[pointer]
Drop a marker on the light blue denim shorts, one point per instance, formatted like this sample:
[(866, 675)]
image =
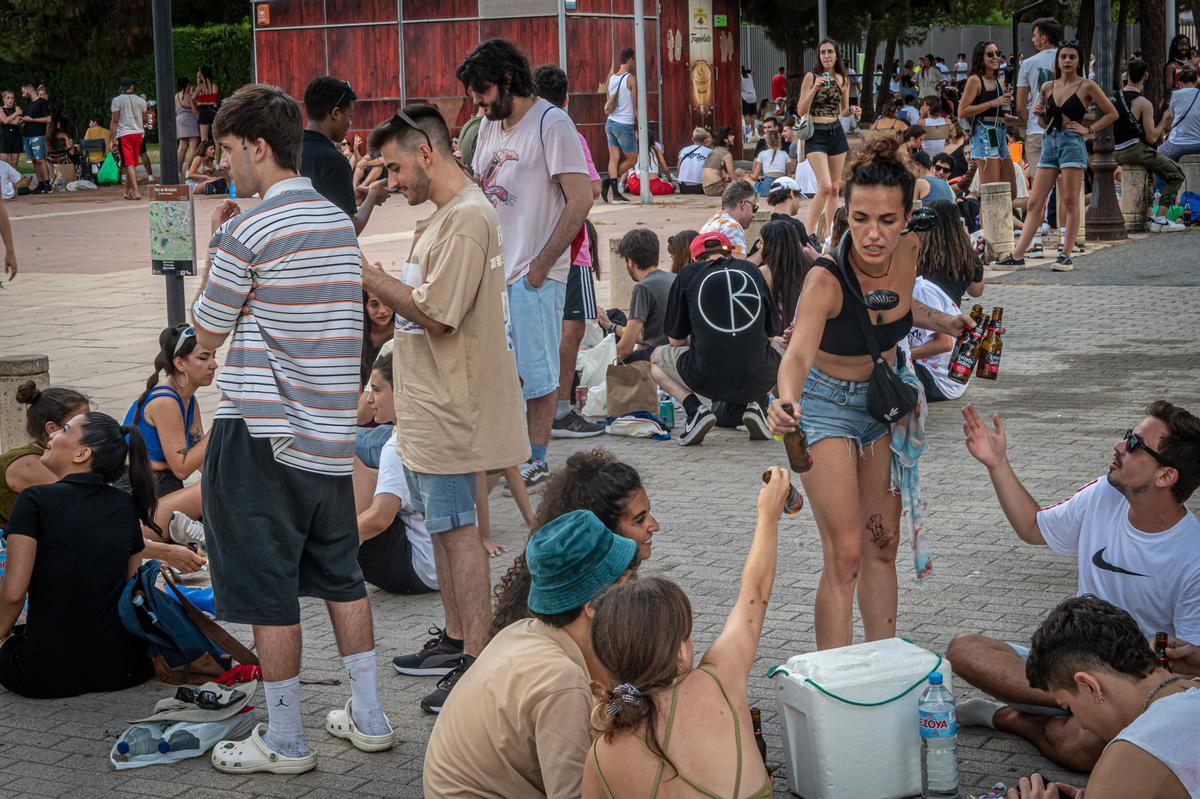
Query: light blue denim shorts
[(536, 319), (621, 135), (446, 500), (1062, 149), (836, 408), (980, 147)]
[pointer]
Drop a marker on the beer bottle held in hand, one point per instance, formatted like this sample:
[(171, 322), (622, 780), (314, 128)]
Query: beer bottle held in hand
[(966, 352), (977, 317), (990, 348), (794, 501), (1160, 650), (796, 445), (759, 741)]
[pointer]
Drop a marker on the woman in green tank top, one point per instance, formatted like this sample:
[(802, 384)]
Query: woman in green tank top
[(22, 467), (667, 728)]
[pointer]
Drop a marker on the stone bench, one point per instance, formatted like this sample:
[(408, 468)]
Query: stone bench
[(1135, 205), (15, 370), (1190, 164)]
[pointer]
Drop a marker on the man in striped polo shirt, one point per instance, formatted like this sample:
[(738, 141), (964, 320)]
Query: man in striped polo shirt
[(286, 280)]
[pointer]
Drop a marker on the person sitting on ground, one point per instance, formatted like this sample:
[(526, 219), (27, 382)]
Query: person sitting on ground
[(691, 162), (1091, 657), (661, 714), (738, 205), (83, 534), (914, 139), (770, 164), (661, 180), (909, 111), (889, 118), (933, 116), (516, 725), (645, 329), (1185, 126), (379, 327), (21, 467), (719, 169), (1130, 523), (679, 247), (204, 170), (1136, 135), (930, 188), (720, 335), (784, 201), (785, 265)]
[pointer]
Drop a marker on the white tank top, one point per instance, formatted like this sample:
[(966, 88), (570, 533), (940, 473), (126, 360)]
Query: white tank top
[(623, 113), (1168, 731)]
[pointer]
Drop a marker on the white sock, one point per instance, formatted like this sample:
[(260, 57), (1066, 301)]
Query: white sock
[(285, 729), (364, 694), (977, 712), (561, 410)]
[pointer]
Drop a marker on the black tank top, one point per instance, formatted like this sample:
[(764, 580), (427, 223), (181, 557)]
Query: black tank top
[(1126, 128), (843, 333), (1072, 110), (992, 116)]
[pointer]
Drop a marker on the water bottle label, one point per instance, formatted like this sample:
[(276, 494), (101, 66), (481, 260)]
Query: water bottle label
[(938, 724)]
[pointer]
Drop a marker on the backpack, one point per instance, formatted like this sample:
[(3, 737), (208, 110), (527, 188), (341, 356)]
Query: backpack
[(186, 646)]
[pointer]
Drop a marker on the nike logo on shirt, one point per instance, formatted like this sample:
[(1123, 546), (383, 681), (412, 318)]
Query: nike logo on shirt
[(1099, 562)]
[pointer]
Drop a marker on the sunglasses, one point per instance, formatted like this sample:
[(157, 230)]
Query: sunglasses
[(184, 335), (941, 168), (753, 206), (1134, 442), (342, 96), (205, 700)]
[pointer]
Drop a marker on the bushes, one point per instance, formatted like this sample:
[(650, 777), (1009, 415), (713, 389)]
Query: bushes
[(77, 91)]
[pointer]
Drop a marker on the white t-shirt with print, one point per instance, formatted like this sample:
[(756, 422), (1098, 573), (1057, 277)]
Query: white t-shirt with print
[(518, 171), (1155, 577), (1035, 70), (939, 365), (691, 162), (391, 481)]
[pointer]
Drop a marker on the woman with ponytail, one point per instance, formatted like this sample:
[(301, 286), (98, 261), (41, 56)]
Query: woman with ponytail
[(822, 386), (72, 546), (663, 719), (21, 467)]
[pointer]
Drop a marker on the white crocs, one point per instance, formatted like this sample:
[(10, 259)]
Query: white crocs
[(253, 755), (340, 724)]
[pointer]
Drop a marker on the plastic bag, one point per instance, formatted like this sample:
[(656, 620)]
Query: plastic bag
[(81, 185), (594, 362), (109, 174), (209, 734)]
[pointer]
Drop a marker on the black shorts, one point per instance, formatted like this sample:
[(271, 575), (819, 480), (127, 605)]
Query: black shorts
[(932, 392), (581, 294), (165, 482), (828, 138), (11, 142), (749, 109), (207, 114), (691, 188), (274, 533), (387, 562)]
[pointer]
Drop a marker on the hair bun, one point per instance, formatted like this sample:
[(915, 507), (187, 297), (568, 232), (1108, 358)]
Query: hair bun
[(28, 393)]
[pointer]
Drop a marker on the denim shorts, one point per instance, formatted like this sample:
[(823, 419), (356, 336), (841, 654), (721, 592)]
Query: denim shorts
[(621, 135), (536, 316), (836, 408), (1062, 149), (446, 500), (980, 148), (35, 147)]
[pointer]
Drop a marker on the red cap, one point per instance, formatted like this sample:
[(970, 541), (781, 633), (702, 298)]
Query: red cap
[(709, 242)]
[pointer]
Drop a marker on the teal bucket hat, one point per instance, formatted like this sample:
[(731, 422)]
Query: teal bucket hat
[(572, 559)]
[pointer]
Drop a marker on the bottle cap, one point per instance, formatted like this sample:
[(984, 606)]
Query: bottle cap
[(935, 678)]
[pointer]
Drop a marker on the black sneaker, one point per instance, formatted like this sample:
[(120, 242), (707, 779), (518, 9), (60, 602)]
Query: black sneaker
[(617, 196), (575, 426), (697, 428), (1062, 263), (437, 658), (756, 423), (1008, 260), (604, 190), (534, 473), (433, 702)]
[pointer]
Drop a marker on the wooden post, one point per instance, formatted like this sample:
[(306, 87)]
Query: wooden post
[(620, 284), (995, 211), (15, 370), (1134, 183)]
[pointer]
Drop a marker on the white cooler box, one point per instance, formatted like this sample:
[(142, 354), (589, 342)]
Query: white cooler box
[(843, 750)]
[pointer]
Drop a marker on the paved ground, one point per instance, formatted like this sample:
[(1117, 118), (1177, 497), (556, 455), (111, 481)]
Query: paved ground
[(1080, 362)]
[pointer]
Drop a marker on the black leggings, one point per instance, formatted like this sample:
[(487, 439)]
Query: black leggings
[(387, 562)]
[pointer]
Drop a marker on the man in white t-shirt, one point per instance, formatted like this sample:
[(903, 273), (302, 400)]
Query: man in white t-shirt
[(960, 71), (1137, 546), (128, 128), (749, 103), (691, 162), (1036, 70)]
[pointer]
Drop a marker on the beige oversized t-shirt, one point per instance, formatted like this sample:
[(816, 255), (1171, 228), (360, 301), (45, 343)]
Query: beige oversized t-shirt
[(458, 399)]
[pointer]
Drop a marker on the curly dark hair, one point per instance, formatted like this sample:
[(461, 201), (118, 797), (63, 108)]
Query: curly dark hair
[(497, 62), (594, 481), (1085, 632)]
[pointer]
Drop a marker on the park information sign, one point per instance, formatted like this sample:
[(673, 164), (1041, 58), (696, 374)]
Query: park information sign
[(172, 230)]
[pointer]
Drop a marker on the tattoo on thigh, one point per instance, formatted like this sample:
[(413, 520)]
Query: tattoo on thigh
[(880, 535)]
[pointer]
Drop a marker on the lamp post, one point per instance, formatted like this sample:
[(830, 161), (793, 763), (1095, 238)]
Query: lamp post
[(168, 164), (1104, 219), (639, 45)]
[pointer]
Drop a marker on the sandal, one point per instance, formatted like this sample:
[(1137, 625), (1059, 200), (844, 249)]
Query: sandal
[(253, 755), (340, 724)]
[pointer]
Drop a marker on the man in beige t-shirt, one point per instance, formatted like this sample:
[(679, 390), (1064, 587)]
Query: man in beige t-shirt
[(458, 399)]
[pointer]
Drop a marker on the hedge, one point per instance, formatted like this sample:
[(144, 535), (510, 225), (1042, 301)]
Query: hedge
[(77, 91)]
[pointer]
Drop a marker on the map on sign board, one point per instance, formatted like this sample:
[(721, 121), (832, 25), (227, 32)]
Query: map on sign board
[(172, 230)]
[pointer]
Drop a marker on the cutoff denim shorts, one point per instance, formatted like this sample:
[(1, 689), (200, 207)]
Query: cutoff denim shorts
[(1062, 149), (836, 408), (979, 142), (536, 318), (621, 135), (446, 500)]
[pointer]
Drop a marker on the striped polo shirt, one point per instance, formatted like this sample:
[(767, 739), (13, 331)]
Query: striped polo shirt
[(292, 368)]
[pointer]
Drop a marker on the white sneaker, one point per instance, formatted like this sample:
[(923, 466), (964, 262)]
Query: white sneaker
[(185, 530), (1164, 225)]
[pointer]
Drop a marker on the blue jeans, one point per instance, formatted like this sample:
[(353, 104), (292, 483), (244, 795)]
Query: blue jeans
[(1062, 149), (536, 319), (621, 135), (446, 500), (836, 408)]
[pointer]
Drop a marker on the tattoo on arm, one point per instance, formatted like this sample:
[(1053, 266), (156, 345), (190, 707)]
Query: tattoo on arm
[(880, 535)]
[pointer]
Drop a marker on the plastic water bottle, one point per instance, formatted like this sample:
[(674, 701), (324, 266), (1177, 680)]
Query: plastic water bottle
[(1157, 197), (142, 740), (232, 190), (180, 741), (939, 731)]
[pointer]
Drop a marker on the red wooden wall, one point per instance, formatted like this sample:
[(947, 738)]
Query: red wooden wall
[(389, 60)]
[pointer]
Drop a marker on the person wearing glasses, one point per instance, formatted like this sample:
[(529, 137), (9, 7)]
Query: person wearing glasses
[(738, 204), (987, 103), (329, 105), (1137, 546)]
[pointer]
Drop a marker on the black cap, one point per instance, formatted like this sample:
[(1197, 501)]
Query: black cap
[(127, 83)]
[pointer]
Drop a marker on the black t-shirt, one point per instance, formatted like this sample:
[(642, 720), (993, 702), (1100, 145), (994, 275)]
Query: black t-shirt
[(791, 220), (73, 641), (724, 305), (328, 170), (38, 108)]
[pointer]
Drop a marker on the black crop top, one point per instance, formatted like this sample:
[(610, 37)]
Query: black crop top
[(986, 95), (843, 333), (1072, 111)]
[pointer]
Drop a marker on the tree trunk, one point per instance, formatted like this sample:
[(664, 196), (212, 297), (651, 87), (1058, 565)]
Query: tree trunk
[(1084, 31), (1153, 18), (889, 55), (795, 73), (867, 95), (1119, 57)]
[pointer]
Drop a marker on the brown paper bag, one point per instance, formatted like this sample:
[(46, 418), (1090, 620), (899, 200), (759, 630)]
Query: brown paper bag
[(630, 388)]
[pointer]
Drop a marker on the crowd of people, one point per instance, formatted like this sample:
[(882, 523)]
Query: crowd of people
[(350, 462)]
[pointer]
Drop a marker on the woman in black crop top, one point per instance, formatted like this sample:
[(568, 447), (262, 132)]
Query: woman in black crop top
[(824, 376), (987, 103), (1061, 109)]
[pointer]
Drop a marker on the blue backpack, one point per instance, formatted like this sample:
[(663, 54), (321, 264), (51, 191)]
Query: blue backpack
[(1190, 199), (185, 645)]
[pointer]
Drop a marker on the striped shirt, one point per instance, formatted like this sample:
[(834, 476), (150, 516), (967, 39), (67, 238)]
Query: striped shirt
[(292, 368)]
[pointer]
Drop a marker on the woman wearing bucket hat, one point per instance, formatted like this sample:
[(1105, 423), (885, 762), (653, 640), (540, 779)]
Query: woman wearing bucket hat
[(516, 724), (665, 719)]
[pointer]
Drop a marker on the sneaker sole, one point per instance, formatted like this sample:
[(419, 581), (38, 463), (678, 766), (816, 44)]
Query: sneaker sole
[(699, 434), (435, 709), (1062, 268), (435, 671), (756, 428), (557, 433)]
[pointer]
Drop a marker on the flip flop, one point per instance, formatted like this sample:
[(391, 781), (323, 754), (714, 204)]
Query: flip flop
[(340, 724), (252, 756)]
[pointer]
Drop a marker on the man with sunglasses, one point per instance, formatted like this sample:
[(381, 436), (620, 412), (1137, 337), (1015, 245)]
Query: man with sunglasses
[(329, 106), (1137, 546), (738, 204)]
